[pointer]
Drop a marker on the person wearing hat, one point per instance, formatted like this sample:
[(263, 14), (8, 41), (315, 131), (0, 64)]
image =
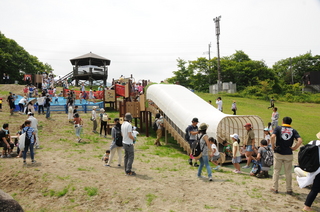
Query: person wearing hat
[(34, 125), (205, 146), (282, 139), (315, 179), (267, 136), (192, 131), (22, 103), (94, 119), (126, 131), (249, 144), (236, 155)]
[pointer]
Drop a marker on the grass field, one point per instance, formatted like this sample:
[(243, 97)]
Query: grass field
[(305, 116)]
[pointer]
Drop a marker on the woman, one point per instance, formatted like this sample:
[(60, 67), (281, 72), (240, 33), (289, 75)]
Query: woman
[(78, 123), (204, 145), (116, 135), (103, 122), (94, 119), (30, 107)]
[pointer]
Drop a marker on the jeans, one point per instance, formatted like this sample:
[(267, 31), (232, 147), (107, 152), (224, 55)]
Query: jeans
[(21, 107), (104, 127), (48, 112), (204, 160), (26, 150), (40, 108), (128, 157), (280, 160)]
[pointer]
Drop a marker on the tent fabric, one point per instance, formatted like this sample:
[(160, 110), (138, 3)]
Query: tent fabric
[(181, 105)]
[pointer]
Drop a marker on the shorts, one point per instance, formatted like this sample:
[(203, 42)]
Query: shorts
[(249, 148), (12, 106), (236, 159), (215, 158)]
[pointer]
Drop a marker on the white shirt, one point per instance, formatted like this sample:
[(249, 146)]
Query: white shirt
[(216, 153), (23, 101), (94, 114), (40, 100), (219, 104), (126, 128), (34, 122)]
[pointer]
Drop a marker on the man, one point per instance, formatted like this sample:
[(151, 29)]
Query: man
[(47, 104), (34, 125), (10, 101), (40, 104), (219, 104), (5, 140), (274, 118), (159, 122), (126, 131), (249, 144), (281, 142), (193, 132)]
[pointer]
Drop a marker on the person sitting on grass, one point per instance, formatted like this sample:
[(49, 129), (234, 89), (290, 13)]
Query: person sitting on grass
[(215, 154)]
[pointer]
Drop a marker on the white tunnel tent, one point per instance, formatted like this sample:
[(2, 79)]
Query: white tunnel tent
[(180, 105)]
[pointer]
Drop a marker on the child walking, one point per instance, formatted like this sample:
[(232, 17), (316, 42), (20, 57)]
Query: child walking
[(215, 154), (236, 157)]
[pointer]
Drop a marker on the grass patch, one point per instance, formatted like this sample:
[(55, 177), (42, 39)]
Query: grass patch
[(91, 191), (150, 198)]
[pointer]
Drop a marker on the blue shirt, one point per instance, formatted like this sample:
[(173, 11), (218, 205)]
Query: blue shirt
[(29, 131)]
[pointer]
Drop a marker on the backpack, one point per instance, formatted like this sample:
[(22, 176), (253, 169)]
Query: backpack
[(105, 117), (118, 137), (27, 140), (196, 150), (155, 126), (308, 157), (255, 168), (187, 134), (268, 157)]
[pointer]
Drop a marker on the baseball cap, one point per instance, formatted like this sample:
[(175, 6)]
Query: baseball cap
[(247, 125), (266, 129), (235, 136), (128, 117), (195, 120)]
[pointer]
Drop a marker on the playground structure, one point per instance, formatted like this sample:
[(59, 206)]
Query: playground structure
[(179, 106)]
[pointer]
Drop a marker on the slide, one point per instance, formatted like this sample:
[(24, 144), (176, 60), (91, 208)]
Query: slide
[(179, 106)]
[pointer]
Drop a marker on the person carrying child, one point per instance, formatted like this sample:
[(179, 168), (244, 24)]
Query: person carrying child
[(236, 157), (215, 154), (105, 157)]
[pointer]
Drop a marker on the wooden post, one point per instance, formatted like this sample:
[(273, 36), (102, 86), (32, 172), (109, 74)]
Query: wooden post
[(166, 136)]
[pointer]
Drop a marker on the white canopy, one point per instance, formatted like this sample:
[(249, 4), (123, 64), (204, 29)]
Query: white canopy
[(181, 105)]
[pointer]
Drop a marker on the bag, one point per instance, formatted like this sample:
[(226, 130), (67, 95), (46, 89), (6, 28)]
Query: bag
[(268, 157), (118, 137), (155, 126), (196, 148), (91, 119), (187, 134), (255, 168), (308, 157), (22, 139), (105, 117)]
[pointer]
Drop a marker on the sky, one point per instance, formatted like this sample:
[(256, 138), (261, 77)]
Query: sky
[(146, 37)]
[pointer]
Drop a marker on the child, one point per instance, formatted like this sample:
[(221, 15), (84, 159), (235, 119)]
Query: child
[(19, 152), (0, 104), (135, 133), (236, 157), (78, 123), (267, 136), (80, 97), (56, 100), (260, 157), (70, 114), (215, 154), (105, 157), (227, 149)]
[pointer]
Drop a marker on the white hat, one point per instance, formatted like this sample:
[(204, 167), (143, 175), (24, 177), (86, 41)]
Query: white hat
[(94, 107), (235, 136), (134, 128), (101, 110)]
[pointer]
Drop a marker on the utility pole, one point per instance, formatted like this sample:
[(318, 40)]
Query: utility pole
[(217, 22), (291, 71), (209, 67)]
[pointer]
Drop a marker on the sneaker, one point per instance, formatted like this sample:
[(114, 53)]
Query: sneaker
[(190, 162), (235, 171), (34, 161), (107, 165), (3, 156), (195, 165), (119, 165), (245, 167), (8, 156), (200, 176), (24, 162), (238, 172), (217, 168), (131, 173), (210, 178), (79, 140), (274, 190)]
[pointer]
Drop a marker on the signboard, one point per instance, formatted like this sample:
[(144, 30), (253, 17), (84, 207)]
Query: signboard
[(109, 96)]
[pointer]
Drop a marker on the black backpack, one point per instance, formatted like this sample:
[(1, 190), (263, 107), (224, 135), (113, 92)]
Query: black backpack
[(268, 157), (118, 137), (308, 157), (187, 134), (27, 140), (196, 149), (155, 126)]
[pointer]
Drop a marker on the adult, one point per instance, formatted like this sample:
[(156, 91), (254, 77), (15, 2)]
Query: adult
[(22, 103), (219, 103), (205, 146), (234, 107), (282, 140), (126, 131), (34, 125), (103, 122), (114, 147), (274, 118), (159, 123), (30, 107), (271, 103), (192, 130), (10, 101), (94, 119), (78, 123), (41, 101), (47, 105), (249, 144), (29, 142), (315, 189), (5, 141)]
